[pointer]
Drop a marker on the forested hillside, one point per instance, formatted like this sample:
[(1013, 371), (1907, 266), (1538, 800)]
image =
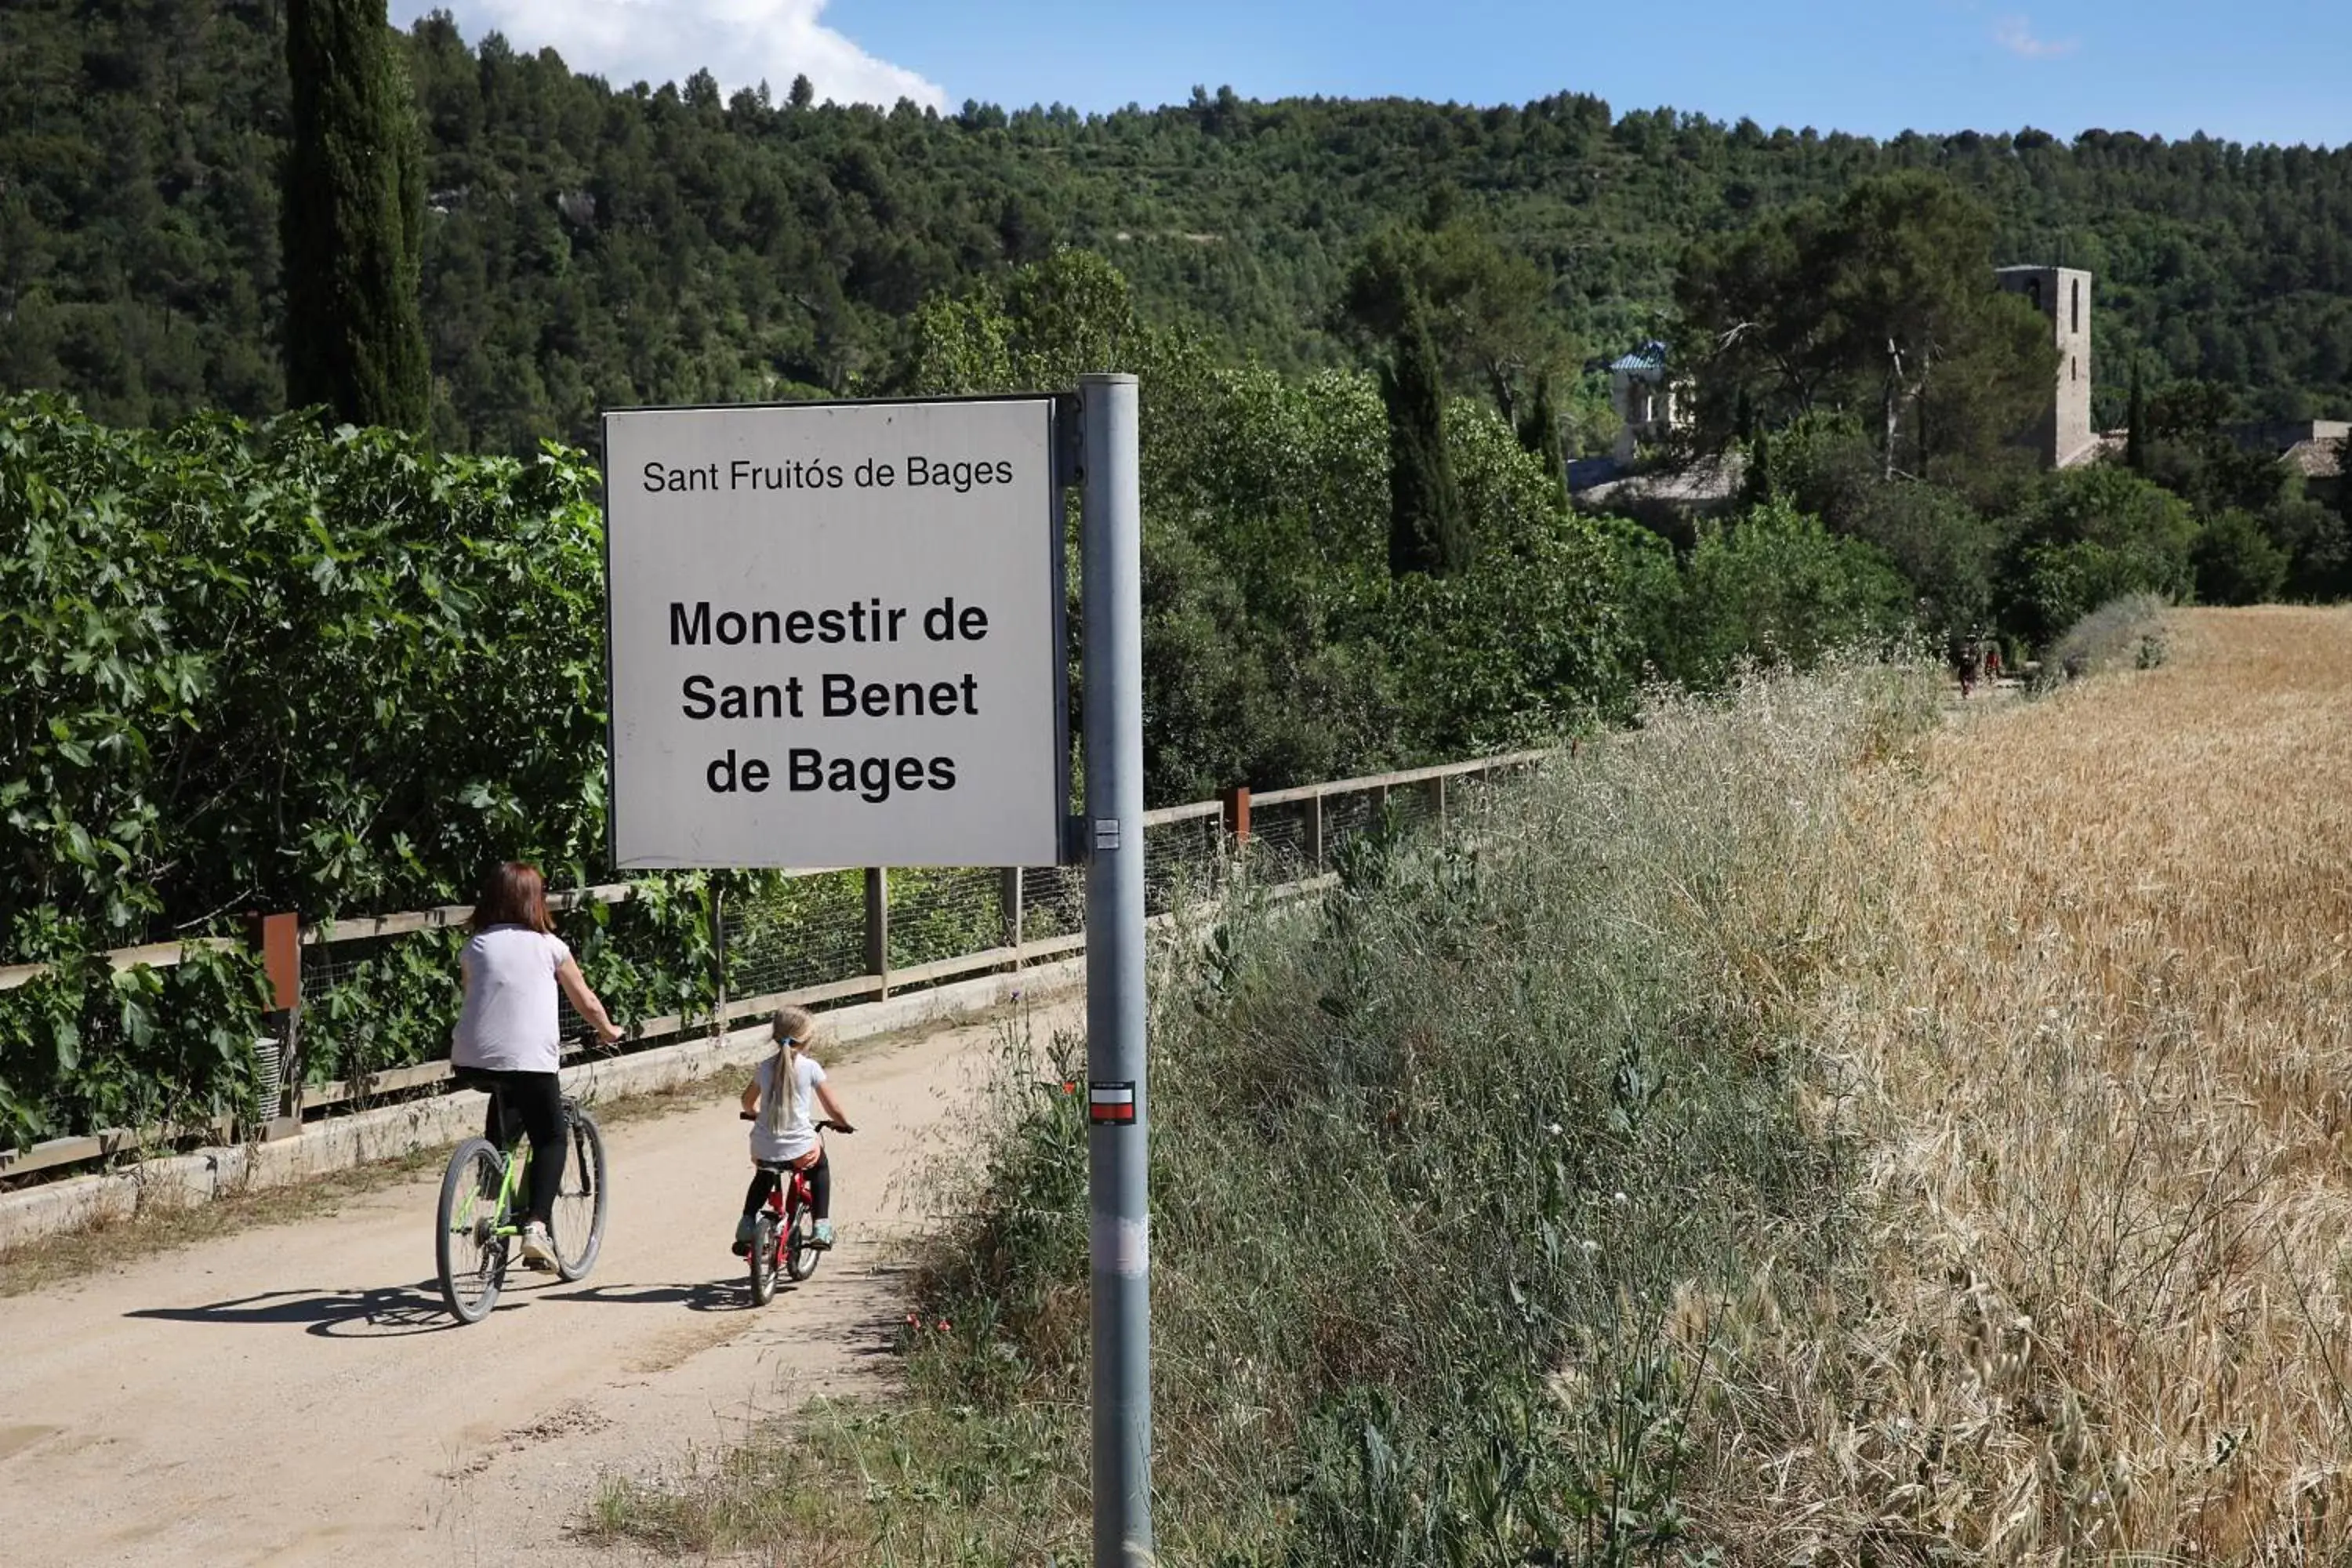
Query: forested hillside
[(591, 244)]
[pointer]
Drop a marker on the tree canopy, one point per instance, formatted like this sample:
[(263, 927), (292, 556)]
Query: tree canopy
[(353, 216), (589, 243), (1886, 303)]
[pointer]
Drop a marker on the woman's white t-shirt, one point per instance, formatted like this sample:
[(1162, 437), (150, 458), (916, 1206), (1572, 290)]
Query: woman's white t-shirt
[(510, 1022), (796, 1134)]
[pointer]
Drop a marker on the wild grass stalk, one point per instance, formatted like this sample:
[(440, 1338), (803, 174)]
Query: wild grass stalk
[(2097, 1059), (1451, 1170)]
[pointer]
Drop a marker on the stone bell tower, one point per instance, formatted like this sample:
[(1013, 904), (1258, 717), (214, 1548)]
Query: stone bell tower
[(2063, 435)]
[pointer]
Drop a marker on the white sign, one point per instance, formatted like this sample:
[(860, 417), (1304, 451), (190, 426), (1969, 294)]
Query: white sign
[(836, 635)]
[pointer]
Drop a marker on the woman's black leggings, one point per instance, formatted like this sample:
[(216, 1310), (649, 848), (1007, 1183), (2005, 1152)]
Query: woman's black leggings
[(820, 1180), (534, 1101)]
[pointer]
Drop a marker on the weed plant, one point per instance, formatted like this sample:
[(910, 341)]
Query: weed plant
[(1446, 1168), (2122, 633)]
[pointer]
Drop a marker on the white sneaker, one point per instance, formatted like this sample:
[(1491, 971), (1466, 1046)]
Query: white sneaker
[(538, 1248)]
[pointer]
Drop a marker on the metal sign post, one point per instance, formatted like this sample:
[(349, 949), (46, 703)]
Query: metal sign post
[(1119, 1103)]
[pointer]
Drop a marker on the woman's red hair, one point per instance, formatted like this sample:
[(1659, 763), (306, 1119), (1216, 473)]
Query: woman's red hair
[(515, 894)]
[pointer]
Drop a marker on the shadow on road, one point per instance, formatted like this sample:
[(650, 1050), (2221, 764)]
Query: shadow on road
[(710, 1295), (386, 1312)]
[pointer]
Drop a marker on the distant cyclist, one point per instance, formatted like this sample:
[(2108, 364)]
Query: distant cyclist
[(783, 1125), (509, 1036)]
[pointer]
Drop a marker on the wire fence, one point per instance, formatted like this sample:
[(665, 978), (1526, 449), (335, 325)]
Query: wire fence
[(368, 1004)]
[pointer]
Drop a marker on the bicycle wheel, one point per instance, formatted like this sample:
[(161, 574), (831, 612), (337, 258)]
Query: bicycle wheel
[(801, 1248), (578, 1228), (763, 1258), (467, 1245)]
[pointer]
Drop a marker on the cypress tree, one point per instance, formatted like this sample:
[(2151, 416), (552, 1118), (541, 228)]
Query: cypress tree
[(2344, 478), (1426, 531), (1540, 435), (352, 220), (2135, 424)]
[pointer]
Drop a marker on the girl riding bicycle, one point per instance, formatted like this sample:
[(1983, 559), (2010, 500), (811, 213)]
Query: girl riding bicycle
[(510, 1038), (784, 1130)]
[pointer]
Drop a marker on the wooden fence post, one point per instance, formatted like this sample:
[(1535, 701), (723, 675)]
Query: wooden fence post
[(1314, 830), (878, 929), (278, 938), (1440, 809), (719, 960), (1237, 815), (1009, 891)]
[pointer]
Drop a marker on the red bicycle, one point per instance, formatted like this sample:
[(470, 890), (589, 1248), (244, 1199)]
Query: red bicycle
[(784, 1239)]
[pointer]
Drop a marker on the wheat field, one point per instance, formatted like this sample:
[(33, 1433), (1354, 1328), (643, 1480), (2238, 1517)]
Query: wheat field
[(2093, 1057)]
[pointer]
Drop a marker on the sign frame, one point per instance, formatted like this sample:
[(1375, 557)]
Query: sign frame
[(1062, 422)]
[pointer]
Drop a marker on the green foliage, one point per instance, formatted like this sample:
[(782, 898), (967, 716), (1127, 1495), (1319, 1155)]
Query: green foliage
[(1886, 301), (265, 668), (1539, 433), (2261, 534), (590, 244), (1522, 647), (82, 1048), (2318, 541), (1279, 650), (2084, 536), (2236, 562), (2213, 474), (1503, 1116), (1484, 304), (1942, 544), (1042, 325), (1230, 697), (2135, 422), (1775, 586), (271, 669), (353, 216), (1427, 531)]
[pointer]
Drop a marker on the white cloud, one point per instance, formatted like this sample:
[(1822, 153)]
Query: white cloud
[(2015, 33), (740, 42)]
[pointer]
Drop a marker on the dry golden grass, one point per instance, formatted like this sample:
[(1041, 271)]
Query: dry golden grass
[(2095, 1061)]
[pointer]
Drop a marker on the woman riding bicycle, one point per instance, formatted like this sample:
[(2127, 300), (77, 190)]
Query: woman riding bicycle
[(509, 1039), (783, 1126)]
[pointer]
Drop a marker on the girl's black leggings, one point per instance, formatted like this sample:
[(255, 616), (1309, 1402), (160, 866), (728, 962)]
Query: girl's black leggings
[(820, 1180), (534, 1101)]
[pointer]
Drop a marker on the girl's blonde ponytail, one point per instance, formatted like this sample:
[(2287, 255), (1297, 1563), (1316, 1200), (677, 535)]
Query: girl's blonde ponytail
[(790, 1024)]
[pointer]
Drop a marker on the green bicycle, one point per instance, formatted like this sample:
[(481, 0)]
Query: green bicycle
[(482, 1202)]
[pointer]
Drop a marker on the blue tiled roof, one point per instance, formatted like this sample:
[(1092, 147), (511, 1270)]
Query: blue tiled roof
[(1649, 356)]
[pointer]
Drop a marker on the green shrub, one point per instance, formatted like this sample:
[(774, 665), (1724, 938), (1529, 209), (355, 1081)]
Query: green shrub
[(82, 1048), (2084, 536), (263, 668), (1776, 587), (2236, 561), (2125, 632), (267, 667)]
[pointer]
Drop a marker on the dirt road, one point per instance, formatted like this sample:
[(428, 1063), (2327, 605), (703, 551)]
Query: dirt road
[(294, 1395)]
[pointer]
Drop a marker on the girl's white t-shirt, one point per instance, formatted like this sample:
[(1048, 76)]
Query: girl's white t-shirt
[(510, 1022), (796, 1134)]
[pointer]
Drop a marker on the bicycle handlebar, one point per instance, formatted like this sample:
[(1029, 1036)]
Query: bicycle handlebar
[(822, 1126)]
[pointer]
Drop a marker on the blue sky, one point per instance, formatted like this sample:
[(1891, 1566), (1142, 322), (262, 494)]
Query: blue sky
[(2277, 70)]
